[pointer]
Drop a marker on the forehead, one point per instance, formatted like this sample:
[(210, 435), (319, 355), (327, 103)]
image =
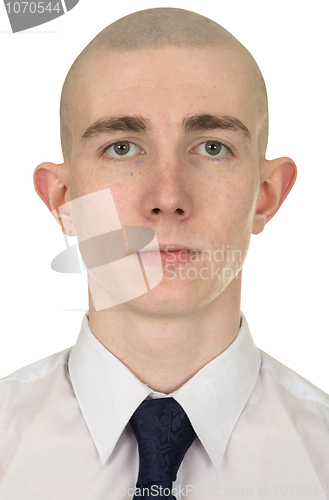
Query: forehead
[(164, 85)]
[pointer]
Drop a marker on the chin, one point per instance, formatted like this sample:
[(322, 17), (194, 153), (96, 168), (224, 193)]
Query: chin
[(167, 300)]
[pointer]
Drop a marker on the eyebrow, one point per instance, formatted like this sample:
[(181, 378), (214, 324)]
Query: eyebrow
[(203, 121), (193, 123), (114, 123)]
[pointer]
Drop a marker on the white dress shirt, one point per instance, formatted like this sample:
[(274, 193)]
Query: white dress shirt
[(262, 430)]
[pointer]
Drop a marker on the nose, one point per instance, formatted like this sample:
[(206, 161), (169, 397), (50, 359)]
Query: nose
[(167, 192)]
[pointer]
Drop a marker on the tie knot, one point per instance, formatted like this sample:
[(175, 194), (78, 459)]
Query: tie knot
[(164, 434)]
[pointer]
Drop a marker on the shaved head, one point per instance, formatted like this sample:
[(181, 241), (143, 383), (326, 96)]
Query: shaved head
[(159, 28)]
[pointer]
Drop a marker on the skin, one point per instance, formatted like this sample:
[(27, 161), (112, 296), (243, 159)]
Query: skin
[(168, 334)]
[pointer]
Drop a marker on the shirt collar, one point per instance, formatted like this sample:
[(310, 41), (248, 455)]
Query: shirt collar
[(215, 397), (108, 393)]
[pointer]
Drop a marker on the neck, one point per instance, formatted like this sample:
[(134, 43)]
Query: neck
[(164, 351)]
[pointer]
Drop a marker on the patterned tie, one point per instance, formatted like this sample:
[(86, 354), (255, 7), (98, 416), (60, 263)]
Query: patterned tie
[(164, 434)]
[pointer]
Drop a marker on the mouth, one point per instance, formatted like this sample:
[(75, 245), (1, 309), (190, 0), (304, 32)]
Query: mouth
[(175, 255)]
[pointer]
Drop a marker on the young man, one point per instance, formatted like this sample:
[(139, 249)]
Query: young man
[(164, 394)]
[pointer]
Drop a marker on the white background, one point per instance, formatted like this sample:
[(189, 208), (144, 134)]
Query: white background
[(285, 282)]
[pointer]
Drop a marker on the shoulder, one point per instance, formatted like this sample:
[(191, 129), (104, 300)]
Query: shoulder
[(38, 369), (33, 400), (33, 376), (294, 386)]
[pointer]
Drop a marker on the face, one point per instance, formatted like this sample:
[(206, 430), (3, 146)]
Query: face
[(196, 185)]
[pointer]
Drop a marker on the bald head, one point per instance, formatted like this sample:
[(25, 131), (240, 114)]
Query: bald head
[(161, 27), (158, 28)]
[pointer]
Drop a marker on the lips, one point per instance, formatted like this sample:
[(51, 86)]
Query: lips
[(173, 248), (170, 255), (170, 247)]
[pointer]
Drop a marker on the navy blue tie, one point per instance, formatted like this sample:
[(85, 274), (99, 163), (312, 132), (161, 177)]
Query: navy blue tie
[(164, 434)]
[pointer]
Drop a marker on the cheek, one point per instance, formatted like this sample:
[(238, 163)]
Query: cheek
[(85, 179), (234, 202)]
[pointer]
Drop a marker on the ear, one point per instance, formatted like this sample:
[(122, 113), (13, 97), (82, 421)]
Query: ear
[(51, 183), (277, 178)]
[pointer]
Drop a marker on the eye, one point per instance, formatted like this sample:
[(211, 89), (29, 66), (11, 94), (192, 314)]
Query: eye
[(212, 148), (122, 148)]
